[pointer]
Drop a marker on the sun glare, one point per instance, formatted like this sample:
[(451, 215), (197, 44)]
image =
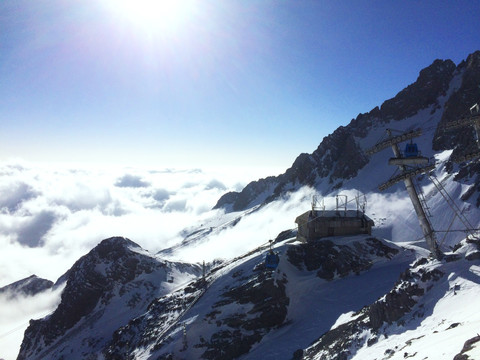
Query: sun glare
[(155, 15)]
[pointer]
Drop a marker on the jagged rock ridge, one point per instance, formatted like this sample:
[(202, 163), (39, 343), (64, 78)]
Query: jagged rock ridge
[(29, 286), (115, 274), (339, 156)]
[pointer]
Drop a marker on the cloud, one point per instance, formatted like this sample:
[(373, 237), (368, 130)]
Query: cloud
[(176, 205), (32, 232), (251, 231), (55, 214), (15, 315), (161, 195), (12, 195), (215, 184), (131, 181)]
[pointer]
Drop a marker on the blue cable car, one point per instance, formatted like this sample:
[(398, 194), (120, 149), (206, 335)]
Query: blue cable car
[(411, 150), (271, 259)]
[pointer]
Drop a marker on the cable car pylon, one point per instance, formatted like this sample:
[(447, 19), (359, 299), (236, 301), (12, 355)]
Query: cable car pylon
[(411, 158)]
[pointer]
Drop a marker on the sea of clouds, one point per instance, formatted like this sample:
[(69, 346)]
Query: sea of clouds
[(50, 216)]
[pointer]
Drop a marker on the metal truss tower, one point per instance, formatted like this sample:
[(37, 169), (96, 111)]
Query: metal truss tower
[(410, 167)]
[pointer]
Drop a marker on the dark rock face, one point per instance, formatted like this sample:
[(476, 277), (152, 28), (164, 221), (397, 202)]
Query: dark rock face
[(462, 140), (432, 82), (269, 310), (260, 303), (458, 105), (29, 286), (89, 283), (150, 327), (467, 347), (329, 259), (401, 300), (339, 157), (247, 196)]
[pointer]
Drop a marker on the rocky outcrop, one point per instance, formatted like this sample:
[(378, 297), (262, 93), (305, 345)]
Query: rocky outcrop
[(29, 286), (402, 299), (432, 82), (469, 345), (331, 259), (458, 105), (339, 157), (109, 271), (260, 306), (249, 196), (149, 329), (462, 140), (268, 302)]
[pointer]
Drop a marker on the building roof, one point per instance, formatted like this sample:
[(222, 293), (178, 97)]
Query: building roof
[(331, 214)]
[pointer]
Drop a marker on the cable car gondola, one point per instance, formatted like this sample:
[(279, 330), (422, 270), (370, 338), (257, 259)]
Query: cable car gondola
[(411, 157), (411, 150), (271, 259)]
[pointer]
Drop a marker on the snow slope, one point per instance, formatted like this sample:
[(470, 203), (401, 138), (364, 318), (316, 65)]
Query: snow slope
[(430, 314)]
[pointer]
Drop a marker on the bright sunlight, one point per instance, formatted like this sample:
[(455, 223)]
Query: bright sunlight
[(155, 15)]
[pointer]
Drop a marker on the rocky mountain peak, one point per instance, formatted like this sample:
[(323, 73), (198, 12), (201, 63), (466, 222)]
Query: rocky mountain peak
[(472, 61), (432, 82), (457, 106), (96, 279), (339, 156), (29, 286)]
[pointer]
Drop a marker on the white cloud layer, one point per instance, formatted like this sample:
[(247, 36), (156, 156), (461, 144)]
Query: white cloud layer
[(49, 216)]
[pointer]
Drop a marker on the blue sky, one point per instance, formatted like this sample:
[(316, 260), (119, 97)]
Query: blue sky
[(214, 83)]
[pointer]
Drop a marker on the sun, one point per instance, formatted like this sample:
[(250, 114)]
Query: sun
[(155, 15)]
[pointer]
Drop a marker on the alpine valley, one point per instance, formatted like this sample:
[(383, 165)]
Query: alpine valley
[(367, 296)]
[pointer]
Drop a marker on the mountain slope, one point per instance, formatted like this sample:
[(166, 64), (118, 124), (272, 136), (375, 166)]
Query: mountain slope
[(244, 309), (441, 93), (429, 314), (29, 286), (113, 283)]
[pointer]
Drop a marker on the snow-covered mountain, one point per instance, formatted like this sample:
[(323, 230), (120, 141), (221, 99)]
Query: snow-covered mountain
[(357, 297), (29, 286), (112, 284), (443, 92), (330, 299)]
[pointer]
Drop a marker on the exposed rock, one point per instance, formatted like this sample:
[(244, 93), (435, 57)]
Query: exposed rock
[(432, 82), (149, 328), (339, 157), (97, 277), (29, 286), (458, 105), (330, 259), (466, 348), (268, 302)]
